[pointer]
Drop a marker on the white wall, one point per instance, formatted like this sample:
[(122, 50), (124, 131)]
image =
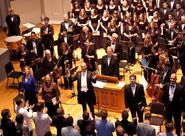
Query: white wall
[(28, 10), (55, 9), (31, 11)]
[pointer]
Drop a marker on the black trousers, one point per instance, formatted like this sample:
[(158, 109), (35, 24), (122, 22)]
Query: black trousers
[(52, 109), (31, 97), (176, 115), (88, 102), (139, 114)]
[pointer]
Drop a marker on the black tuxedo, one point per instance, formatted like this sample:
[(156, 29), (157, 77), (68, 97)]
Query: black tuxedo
[(47, 39), (163, 14), (134, 103), (174, 107), (112, 69), (39, 47), (118, 49), (63, 26), (86, 97), (178, 13), (181, 26), (13, 26)]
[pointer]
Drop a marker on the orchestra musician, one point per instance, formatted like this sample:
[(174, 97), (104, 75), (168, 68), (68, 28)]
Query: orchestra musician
[(89, 55), (172, 99), (66, 25), (34, 48), (48, 63), (47, 33), (117, 50), (65, 62), (86, 34)]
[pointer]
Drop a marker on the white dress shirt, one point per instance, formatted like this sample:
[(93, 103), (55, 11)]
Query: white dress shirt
[(42, 123), (84, 81), (108, 60), (171, 92), (27, 116), (133, 88)]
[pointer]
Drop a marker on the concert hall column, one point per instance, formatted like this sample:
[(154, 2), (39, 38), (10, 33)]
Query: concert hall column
[(4, 5)]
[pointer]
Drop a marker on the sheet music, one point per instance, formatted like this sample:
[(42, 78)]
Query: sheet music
[(121, 84), (54, 100), (99, 84)]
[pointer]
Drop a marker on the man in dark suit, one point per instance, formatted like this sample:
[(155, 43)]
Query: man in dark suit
[(127, 125), (115, 46), (164, 10), (135, 98), (172, 99), (13, 22), (144, 128), (178, 12), (47, 33), (85, 88), (110, 64), (34, 48), (66, 25)]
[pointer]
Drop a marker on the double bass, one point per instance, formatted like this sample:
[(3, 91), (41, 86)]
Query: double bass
[(153, 89)]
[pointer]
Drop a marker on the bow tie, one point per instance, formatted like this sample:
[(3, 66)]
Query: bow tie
[(172, 85)]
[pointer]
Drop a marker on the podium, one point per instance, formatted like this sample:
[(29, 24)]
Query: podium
[(111, 95)]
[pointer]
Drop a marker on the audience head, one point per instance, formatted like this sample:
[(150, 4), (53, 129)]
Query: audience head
[(120, 131), (169, 127), (148, 116), (19, 119), (124, 115), (85, 115), (132, 78), (104, 114), (40, 106), (69, 121), (5, 113), (20, 101), (60, 111), (83, 66), (109, 51)]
